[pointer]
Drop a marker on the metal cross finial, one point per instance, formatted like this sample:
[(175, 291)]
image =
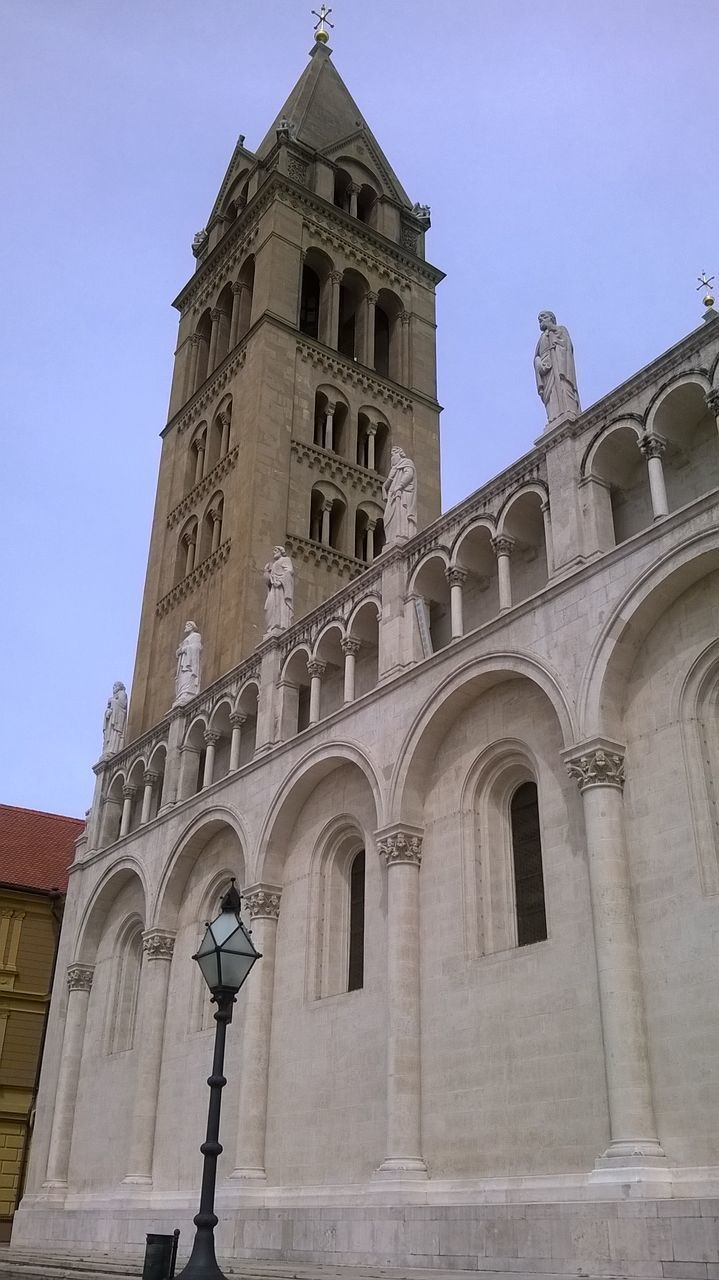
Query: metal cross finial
[(322, 23), (706, 282)]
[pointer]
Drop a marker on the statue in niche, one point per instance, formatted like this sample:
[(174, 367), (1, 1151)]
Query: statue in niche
[(400, 490), (554, 369), (187, 676), (114, 721), (279, 576)]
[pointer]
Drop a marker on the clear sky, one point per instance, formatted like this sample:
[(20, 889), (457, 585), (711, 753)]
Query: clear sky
[(568, 151)]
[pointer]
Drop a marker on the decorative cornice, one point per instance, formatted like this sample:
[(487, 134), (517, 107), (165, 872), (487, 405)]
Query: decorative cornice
[(79, 977), (327, 557), (204, 570), (400, 845), (213, 387), (356, 375), (597, 763), (157, 944), (335, 467), (205, 485), (263, 901)]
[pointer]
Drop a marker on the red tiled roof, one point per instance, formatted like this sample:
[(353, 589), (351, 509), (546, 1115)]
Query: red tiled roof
[(36, 849)]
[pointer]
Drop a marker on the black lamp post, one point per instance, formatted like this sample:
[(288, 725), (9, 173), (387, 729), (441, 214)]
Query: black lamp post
[(225, 957)]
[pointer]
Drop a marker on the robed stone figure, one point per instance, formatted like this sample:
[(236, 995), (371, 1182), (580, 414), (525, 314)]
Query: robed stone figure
[(554, 369), (187, 674), (400, 491), (279, 575), (115, 718)]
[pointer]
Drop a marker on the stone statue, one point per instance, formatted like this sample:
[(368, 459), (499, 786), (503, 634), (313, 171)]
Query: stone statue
[(115, 718), (400, 490), (199, 241), (554, 368), (279, 575), (187, 676)]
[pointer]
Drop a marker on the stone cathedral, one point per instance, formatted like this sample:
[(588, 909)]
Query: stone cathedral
[(463, 766)]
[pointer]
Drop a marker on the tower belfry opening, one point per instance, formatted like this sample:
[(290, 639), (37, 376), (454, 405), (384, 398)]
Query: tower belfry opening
[(311, 288)]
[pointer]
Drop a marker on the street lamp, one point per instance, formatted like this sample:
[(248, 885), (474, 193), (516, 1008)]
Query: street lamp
[(225, 957)]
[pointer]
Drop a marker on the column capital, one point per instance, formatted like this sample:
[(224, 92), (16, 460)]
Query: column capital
[(652, 445), (400, 844), (189, 538), (223, 417), (237, 286), (596, 763), (237, 719), (455, 575), (315, 667), (215, 515), (150, 777), (371, 428), (405, 317), (336, 277), (372, 297), (216, 314), (158, 944), (211, 737), (712, 399), (263, 901), (129, 790), (354, 188), (350, 646), (198, 444), (79, 977), (503, 544), (196, 339), (330, 408)]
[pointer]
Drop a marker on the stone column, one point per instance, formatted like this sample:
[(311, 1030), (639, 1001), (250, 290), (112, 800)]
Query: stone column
[(456, 578), (237, 289), (199, 447), (263, 903), (371, 441), (216, 518), (371, 526), (548, 549), (245, 309), (216, 318), (405, 377), (237, 719), (503, 547), (598, 768), (712, 399), (150, 780), (211, 741), (371, 301), (225, 441), (79, 983), (189, 541), (354, 191), (350, 648), (191, 383), (334, 327), (401, 848), (172, 762), (128, 795), (329, 426), (653, 446), (157, 946), (315, 670), (325, 529)]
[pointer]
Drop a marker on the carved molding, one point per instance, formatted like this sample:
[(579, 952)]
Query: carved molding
[(326, 463), (402, 845), (327, 557), (158, 945), (652, 445), (205, 485), (213, 388), (599, 763), (204, 570), (349, 373), (263, 901), (79, 977)]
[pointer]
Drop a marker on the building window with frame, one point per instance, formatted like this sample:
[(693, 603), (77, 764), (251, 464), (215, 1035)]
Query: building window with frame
[(355, 973), (530, 906)]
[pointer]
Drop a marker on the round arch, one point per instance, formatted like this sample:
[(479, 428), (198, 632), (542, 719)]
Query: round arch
[(182, 859), (439, 712), (295, 790), (89, 931), (539, 490), (692, 378), (615, 650)]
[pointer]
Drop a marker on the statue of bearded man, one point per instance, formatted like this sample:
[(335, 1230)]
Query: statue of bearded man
[(279, 575), (187, 673), (554, 369)]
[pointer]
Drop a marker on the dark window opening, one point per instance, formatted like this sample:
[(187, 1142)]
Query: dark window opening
[(528, 875), (310, 303), (355, 978), (381, 342)]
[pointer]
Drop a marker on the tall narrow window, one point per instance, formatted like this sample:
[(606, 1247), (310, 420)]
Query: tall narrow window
[(310, 303), (528, 876), (126, 991), (355, 977)]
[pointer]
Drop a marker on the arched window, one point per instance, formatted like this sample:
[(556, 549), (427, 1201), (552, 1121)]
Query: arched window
[(185, 559), (196, 458), (355, 969), (126, 990), (203, 333), (310, 303), (527, 862), (343, 182)]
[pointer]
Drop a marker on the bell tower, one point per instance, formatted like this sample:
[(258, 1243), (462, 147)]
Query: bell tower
[(306, 350)]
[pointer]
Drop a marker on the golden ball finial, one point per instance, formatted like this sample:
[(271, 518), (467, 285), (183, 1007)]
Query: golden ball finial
[(322, 37), (709, 300)]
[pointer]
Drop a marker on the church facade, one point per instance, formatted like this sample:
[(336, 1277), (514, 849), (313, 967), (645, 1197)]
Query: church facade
[(469, 795)]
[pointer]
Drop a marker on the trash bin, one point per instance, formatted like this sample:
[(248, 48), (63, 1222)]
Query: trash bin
[(160, 1256)]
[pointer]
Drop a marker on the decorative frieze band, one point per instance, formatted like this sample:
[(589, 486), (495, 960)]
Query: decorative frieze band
[(347, 372), (200, 491), (329, 557), (209, 391), (203, 570), (79, 977), (599, 763), (400, 845), (263, 900), (158, 945), (325, 463)]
